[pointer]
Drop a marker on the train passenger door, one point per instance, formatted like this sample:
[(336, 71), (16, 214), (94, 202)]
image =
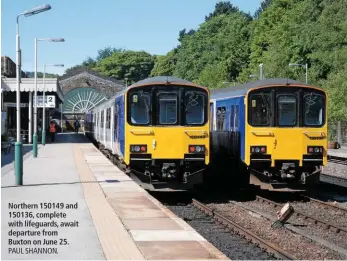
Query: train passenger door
[(112, 128)]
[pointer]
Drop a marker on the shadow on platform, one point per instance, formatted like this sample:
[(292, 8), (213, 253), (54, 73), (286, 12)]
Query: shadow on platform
[(68, 137), (66, 183), (9, 158)]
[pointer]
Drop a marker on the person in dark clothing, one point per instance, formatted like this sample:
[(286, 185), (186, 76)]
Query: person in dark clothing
[(76, 125), (52, 130)]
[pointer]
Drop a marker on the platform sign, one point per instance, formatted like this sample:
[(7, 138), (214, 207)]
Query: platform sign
[(50, 101)]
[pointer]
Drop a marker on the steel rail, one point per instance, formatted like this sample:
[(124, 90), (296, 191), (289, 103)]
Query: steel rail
[(327, 225), (278, 252)]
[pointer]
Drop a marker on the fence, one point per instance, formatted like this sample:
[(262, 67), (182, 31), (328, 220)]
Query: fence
[(337, 131)]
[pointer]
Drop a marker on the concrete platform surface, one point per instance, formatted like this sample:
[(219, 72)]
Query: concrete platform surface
[(99, 212), (341, 152)]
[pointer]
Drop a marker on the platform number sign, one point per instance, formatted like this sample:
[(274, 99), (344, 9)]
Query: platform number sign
[(50, 101)]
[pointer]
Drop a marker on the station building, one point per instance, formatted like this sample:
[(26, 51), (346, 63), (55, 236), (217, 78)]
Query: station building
[(69, 97)]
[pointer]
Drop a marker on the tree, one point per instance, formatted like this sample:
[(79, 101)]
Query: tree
[(106, 52), (223, 40), (132, 65), (263, 5), (222, 8), (164, 65)]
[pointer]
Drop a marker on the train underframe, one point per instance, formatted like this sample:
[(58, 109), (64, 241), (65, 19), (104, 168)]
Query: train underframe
[(156, 174), (285, 174), (161, 174)]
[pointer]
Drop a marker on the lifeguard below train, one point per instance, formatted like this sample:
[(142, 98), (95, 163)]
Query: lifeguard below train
[(170, 133)]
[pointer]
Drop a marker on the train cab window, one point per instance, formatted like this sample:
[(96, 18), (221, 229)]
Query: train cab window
[(259, 109), (314, 109), (194, 103), (286, 110), (220, 118), (140, 103), (167, 108)]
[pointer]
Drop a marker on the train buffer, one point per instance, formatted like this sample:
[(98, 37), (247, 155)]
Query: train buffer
[(96, 210)]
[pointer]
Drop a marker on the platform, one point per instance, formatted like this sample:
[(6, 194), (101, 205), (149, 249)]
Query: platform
[(341, 152), (118, 220)]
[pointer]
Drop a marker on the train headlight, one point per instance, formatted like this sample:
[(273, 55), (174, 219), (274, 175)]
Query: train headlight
[(315, 149), (258, 149), (196, 149), (138, 148)]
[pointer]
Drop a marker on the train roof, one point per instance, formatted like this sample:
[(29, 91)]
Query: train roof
[(242, 89), (161, 80)]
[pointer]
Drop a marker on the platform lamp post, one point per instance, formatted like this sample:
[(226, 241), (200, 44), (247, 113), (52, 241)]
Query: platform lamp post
[(261, 71), (18, 146), (35, 109), (301, 65), (44, 101)]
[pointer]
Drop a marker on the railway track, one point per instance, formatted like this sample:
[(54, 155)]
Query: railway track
[(276, 251), (314, 219), (338, 160)]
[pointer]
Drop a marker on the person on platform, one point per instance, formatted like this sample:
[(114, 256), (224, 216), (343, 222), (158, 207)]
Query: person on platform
[(76, 125), (52, 130)]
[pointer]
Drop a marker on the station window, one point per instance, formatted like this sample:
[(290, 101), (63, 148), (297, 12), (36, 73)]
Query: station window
[(220, 118)]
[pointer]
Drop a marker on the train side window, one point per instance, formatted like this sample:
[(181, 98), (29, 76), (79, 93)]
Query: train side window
[(231, 118), (212, 115), (287, 115), (167, 108), (102, 119), (221, 118), (115, 119), (236, 117), (259, 109), (108, 118)]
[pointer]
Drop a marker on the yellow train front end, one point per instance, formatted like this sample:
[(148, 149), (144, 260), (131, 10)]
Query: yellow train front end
[(286, 135), (167, 133)]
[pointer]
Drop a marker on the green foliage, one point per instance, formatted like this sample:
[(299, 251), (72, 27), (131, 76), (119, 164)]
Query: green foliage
[(128, 65), (336, 86), (164, 65), (221, 42), (230, 45)]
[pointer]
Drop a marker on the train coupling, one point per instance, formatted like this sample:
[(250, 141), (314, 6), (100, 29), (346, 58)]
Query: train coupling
[(168, 170)]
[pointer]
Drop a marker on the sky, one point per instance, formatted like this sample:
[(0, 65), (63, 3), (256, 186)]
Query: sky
[(90, 25)]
